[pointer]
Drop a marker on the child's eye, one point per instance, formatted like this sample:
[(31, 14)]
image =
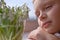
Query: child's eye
[(48, 7), (37, 14)]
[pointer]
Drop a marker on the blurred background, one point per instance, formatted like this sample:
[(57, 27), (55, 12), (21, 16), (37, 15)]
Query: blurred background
[(29, 17)]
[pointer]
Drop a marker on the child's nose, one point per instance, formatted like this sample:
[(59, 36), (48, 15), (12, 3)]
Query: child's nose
[(42, 16)]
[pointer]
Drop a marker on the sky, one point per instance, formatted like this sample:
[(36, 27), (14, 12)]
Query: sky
[(29, 3)]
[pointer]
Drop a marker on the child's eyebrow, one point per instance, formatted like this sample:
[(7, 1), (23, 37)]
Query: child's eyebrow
[(44, 3)]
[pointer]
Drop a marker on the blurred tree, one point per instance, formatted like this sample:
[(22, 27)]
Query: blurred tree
[(11, 21)]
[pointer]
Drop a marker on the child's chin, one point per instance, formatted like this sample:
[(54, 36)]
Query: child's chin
[(50, 31)]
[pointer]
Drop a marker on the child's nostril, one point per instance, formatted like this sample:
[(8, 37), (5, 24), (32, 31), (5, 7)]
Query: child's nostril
[(43, 17)]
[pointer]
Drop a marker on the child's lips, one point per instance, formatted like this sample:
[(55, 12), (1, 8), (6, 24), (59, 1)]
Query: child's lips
[(46, 24)]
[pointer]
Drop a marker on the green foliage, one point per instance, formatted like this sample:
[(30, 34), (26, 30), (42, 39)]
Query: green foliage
[(11, 21), (1, 10)]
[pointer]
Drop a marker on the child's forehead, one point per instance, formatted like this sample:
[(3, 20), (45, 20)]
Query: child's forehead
[(40, 3), (43, 1)]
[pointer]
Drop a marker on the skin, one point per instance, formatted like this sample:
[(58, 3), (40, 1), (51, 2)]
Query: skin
[(47, 10), (40, 34)]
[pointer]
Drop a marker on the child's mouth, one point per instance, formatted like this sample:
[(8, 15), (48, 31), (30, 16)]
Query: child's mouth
[(46, 24)]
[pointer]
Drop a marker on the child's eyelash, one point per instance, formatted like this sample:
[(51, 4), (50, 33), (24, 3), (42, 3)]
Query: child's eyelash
[(48, 7)]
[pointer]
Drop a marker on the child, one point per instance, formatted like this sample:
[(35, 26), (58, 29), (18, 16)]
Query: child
[(48, 14)]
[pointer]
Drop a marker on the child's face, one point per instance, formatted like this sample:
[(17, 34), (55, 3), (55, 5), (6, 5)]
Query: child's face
[(48, 13)]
